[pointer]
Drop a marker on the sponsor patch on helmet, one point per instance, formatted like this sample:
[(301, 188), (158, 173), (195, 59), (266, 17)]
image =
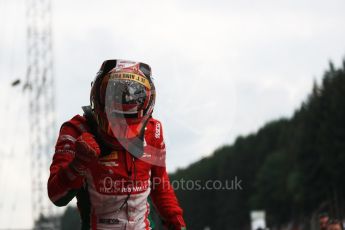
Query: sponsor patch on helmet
[(130, 76), (125, 64)]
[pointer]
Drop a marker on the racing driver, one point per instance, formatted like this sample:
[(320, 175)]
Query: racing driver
[(113, 157)]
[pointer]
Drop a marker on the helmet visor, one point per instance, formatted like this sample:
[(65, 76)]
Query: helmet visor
[(126, 96)]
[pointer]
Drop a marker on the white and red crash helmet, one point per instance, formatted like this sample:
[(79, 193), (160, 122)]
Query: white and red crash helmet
[(122, 98)]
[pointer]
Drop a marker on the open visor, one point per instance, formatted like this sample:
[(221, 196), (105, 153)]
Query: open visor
[(126, 96)]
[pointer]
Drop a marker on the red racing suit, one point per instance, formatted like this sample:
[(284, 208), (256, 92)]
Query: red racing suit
[(105, 197)]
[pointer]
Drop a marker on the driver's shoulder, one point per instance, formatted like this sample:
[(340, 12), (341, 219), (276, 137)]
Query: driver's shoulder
[(77, 123)]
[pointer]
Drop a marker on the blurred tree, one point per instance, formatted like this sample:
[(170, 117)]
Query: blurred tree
[(70, 220), (289, 167)]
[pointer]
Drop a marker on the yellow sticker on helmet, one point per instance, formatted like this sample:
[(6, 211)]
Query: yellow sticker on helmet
[(131, 76)]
